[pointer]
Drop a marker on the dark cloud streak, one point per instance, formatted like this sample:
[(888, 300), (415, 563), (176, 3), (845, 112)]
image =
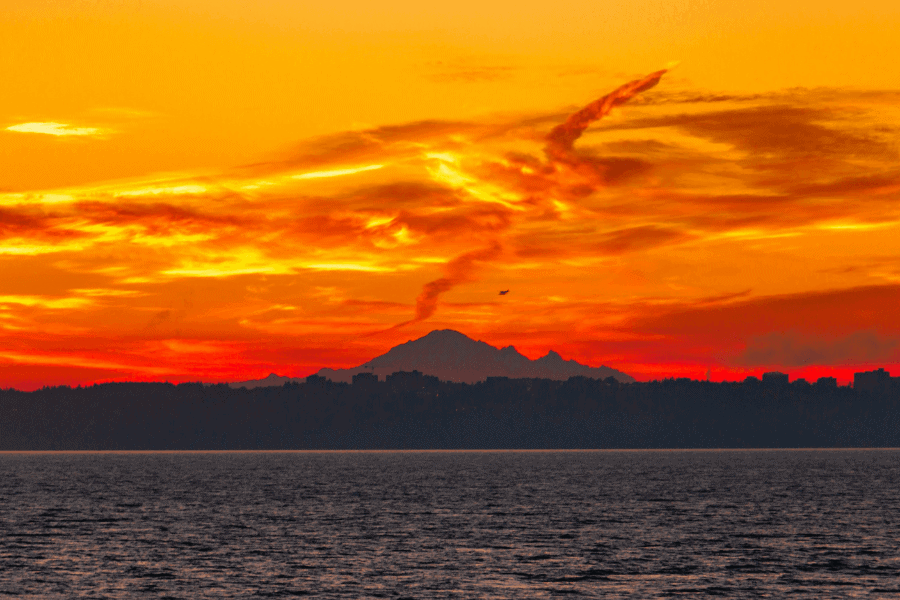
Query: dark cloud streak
[(561, 138), (794, 349), (458, 270)]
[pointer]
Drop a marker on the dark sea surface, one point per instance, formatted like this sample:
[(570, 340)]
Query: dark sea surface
[(610, 524)]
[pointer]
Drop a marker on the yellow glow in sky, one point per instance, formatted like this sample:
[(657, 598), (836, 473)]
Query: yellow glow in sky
[(54, 129), (337, 172)]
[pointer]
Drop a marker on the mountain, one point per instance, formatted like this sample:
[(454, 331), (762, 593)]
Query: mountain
[(452, 356), (271, 380)]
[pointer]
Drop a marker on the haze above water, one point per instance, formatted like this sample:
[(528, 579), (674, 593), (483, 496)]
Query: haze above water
[(642, 524)]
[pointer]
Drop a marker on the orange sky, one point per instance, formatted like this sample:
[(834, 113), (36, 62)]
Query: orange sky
[(215, 190)]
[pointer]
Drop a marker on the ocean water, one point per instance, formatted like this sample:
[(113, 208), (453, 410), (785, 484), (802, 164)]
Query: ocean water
[(607, 524)]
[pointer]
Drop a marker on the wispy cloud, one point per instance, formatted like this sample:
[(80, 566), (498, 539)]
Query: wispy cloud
[(458, 270), (793, 349), (562, 137), (86, 362), (455, 73), (57, 129), (337, 172), (44, 302)]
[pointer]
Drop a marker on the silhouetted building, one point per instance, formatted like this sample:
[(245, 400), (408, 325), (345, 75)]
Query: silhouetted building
[(872, 381), (417, 411), (828, 382), (411, 380), (775, 378), (365, 379)]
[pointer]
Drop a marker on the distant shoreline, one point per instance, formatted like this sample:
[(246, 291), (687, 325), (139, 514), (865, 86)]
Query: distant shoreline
[(452, 451), (411, 411)]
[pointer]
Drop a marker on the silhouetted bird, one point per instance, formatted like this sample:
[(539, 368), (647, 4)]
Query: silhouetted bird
[(504, 292)]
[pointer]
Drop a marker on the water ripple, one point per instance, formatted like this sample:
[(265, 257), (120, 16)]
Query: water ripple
[(810, 524)]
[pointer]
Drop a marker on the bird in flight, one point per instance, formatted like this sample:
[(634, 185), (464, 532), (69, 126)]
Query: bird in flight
[(504, 292)]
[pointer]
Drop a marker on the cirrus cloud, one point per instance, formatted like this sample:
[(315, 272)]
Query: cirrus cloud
[(57, 129)]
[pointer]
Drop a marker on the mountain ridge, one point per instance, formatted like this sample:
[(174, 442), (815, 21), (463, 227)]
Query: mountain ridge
[(453, 356), (269, 381)]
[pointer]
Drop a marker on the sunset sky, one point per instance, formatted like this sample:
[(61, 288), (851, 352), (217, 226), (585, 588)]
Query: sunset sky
[(213, 190)]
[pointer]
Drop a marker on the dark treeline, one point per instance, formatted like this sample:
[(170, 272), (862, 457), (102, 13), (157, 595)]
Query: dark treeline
[(412, 411)]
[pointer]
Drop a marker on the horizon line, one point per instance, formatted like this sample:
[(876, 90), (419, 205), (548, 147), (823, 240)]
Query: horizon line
[(457, 450)]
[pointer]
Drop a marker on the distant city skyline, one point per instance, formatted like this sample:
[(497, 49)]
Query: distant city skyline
[(414, 410)]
